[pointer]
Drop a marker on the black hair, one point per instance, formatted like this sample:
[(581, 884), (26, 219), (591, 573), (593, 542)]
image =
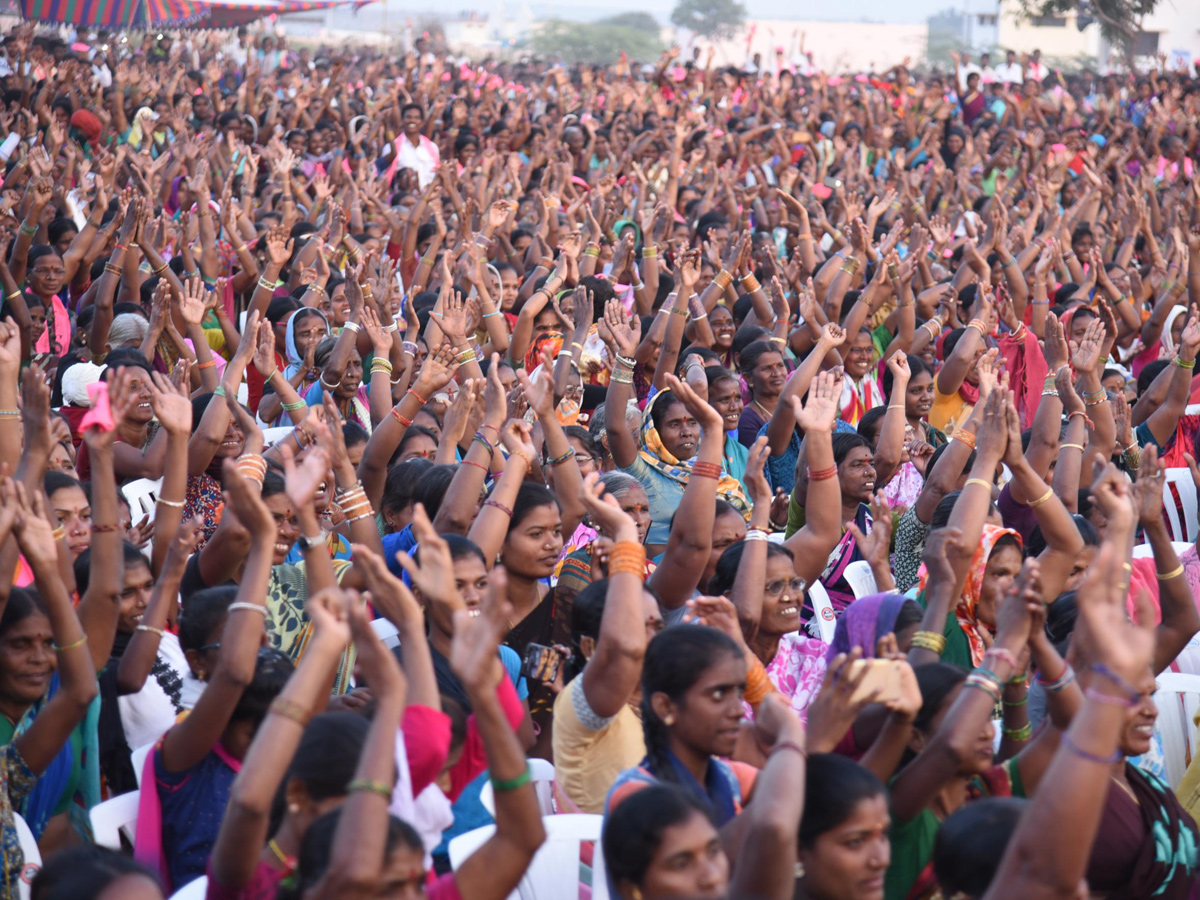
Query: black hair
[(941, 515), (22, 603), (844, 443), (401, 482), (55, 480), (916, 366), (272, 669), (325, 759), (1149, 373), (749, 357), (870, 423), (833, 786), (936, 681), (743, 338), (131, 556), (354, 434), (431, 488), (587, 610), (202, 613), (1087, 531), (412, 433), (971, 842), (731, 558), (937, 455), (530, 496), (126, 356), (317, 846), (459, 547), (273, 483), (83, 872), (911, 613), (634, 829), (1060, 620), (658, 412), (581, 434), (675, 660)]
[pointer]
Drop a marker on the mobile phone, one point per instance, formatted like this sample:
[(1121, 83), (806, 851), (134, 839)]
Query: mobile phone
[(833, 183), (889, 679), (541, 663)]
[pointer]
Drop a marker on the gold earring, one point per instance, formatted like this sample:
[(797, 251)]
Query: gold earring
[(293, 808), (668, 721), (637, 893)]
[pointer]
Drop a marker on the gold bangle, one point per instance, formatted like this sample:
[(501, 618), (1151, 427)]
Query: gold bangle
[(174, 504), (151, 629), (58, 533), (896, 406), (987, 484), (930, 640), (1042, 499), (1078, 447), (71, 646), (1167, 576)]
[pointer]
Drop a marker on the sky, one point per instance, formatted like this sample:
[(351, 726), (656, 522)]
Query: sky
[(844, 10)]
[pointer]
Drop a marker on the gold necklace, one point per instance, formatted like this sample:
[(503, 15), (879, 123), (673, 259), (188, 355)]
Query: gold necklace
[(766, 412)]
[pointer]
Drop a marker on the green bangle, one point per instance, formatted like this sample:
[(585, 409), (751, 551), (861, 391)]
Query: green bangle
[(220, 391), (512, 784), (1024, 733), (371, 787), (1020, 702), (292, 407)]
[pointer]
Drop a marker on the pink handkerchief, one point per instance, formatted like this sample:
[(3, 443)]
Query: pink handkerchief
[(100, 414)]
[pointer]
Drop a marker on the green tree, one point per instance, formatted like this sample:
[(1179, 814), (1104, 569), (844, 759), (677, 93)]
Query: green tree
[(1120, 20), (601, 42), (712, 19)]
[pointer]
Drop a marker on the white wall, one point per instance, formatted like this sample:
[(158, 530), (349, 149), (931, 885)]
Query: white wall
[(836, 46)]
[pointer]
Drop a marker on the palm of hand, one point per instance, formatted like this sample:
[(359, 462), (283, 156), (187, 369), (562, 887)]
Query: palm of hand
[(173, 411)]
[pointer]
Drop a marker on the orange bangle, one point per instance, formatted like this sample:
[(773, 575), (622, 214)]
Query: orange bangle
[(965, 436), (628, 558), (758, 685), (706, 470), (399, 418), (822, 474), (207, 365)]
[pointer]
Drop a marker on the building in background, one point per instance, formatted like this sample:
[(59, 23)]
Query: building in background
[(835, 47)]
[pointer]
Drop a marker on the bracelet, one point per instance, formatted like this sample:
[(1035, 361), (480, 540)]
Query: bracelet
[(977, 323), (505, 786), (984, 683), (353, 326), (403, 420), (1001, 653), (249, 607), (266, 378), (559, 460), (293, 407), (1185, 364), (173, 504), (1033, 504), (822, 474), (1091, 757), (961, 434), (58, 533), (1078, 447), (107, 528), (788, 745), (289, 710), (316, 287), (987, 484), (750, 283), (1133, 693), (471, 462), (466, 356), (409, 347), (1049, 392), (371, 787), (706, 470), (594, 252), (1167, 576), (627, 558), (29, 230), (649, 252), (207, 365), (379, 364), (723, 280), (520, 454), (71, 646), (498, 505), (930, 640), (756, 534), (896, 406), (1101, 697), (494, 312), (1022, 702), (112, 268), (1024, 733), (151, 629), (267, 285), (1060, 683)]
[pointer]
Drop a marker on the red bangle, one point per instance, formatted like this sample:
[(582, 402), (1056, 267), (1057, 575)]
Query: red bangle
[(500, 506), (469, 462), (822, 474), (399, 418), (420, 399), (706, 470)]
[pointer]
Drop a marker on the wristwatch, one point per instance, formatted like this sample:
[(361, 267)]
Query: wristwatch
[(310, 543)]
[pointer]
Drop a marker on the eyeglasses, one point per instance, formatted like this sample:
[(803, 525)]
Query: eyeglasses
[(207, 647), (795, 587)]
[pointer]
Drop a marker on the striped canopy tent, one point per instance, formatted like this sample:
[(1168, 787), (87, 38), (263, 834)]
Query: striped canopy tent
[(230, 13), (114, 14)]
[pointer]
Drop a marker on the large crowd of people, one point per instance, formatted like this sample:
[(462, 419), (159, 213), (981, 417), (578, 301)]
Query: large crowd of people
[(788, 459)]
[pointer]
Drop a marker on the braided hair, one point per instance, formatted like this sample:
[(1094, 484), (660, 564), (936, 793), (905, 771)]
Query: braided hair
[(675, 660)]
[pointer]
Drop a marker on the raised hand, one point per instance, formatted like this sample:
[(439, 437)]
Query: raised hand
[(626, 332), (605, 512), (710, 420), (437, 371), (820, 408), (171, 403)]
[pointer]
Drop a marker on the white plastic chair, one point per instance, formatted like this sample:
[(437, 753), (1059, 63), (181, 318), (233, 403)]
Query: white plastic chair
[(823, 610), (112, 817), (1180, 478), (1178, 701), (193, 890), (142, 495), (33, 856), (554, 872), (1142, 550), (138, 758), (860, 578), (386, 632), (543, 785), (272, 436)]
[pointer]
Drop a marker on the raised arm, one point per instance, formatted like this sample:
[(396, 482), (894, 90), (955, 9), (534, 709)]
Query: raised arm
[(621, 334)]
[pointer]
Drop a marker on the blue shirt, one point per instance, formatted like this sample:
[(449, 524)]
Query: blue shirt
[(193, 803)]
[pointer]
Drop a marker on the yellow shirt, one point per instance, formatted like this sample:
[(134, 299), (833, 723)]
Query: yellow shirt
[(591, 751), (949, 411)]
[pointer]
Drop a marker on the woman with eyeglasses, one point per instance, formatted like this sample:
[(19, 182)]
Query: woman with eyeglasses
[(861, 391)]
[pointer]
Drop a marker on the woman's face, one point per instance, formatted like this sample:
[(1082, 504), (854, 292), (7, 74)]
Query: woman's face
[(860, 355), (231, 445), (1138, 730), (27, 660), (287, 526), (1079, 566), (680, 432), (849, 861), (139, 386), (583, 456), (61, 460), (531, 549), (37, 316), (1001, 571), (783, 595), (403, 875), (420, 447), (769, 375), (726, 398), (728, 529), (75, 514), (635, 504), (471, 580), (721, 321), (351, 379), (1177, 329), (856, 474), (918, 399), (709, 715), (309, 330), (135, 596), (1080, 322), (339, 306), (689, 862), (47, 275), (1114, 383)]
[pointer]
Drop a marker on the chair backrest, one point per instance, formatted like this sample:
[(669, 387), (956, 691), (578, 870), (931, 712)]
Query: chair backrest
[(138, 758), (1178, 701), (861, 578), (386, 632), (1179, 492), (272, 436), (111, 816), (193, 890), (823, 609), (33, 856), (543, 786), (1142, 550), (556, 866), (142, 495)]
